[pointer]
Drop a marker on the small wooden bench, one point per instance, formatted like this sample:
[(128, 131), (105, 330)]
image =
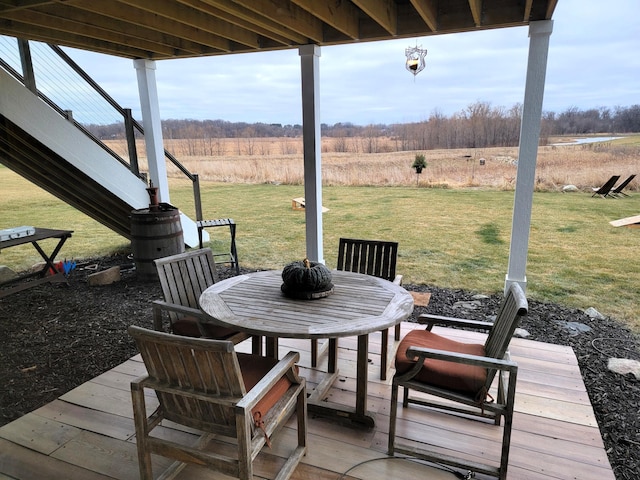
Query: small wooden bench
[(632, 222), (298, 203), (232, 256), (50, 271)]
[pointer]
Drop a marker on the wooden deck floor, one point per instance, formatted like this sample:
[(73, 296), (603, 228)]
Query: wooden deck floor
[(88, 433)]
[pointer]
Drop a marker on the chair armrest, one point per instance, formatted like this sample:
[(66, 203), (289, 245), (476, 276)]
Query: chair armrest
[(419, 354), (260, 389), (398, 280), (174, 307), (431, 320), (159, 306), (139, 383)]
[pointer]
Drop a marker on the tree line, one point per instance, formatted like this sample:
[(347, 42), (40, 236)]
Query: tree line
[(477, 126)]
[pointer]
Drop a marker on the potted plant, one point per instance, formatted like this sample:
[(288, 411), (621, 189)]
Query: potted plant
[(419, 163)]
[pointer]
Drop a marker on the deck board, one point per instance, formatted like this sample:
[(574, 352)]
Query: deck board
[(88, 433)]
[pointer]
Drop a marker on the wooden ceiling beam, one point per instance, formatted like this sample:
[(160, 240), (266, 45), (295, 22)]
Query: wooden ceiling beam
[(12, 6), (140, 22), (476, 10), (193, 19), (287, 14), (260, 21), (384, 12), (104, 16), (46, 35), (428, 12), (234, 21), (80, 27), (342, 16)]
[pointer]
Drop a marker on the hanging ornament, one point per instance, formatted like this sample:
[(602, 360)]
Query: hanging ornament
[(415, 59)]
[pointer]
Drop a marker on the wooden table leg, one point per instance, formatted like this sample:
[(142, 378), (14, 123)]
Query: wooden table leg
[(272, 347), (332, 366), (49, 259), (357, 414), (362, 373)]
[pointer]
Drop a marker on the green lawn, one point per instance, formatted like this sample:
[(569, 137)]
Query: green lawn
[(448, 238)]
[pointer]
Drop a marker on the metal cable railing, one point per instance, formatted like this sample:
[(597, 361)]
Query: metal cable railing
[(52, 75)]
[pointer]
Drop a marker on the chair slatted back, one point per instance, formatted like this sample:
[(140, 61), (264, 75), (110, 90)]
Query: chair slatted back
[(197, 381), (606, 188), (622, 186), (371, 257), (513, 308), (185, 276)]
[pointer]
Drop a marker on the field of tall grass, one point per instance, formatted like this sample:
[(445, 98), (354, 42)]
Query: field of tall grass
[(279, 160), (455, 235)]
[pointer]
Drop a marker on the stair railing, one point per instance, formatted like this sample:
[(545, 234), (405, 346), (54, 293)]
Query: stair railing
[(132, 128)]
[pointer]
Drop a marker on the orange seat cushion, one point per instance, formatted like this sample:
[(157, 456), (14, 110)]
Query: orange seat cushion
[(188, 327), (254, 368), (453, 376)]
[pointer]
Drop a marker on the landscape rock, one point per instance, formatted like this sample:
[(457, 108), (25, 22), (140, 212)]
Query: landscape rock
[(575, 328), (593, 313), (570, 188), (468, 305), (6, 274), (480, 296), (105, 277), (624, 366)]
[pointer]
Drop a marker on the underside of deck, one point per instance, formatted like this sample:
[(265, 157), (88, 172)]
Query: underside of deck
[(88, 433)]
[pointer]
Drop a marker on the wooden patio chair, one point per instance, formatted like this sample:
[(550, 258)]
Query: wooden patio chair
[(462, 374), (371, 257), (183, 278), (618, 190), (204, 384), (605, 190)]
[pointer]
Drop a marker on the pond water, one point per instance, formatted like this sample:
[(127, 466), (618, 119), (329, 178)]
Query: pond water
[(579, 141)]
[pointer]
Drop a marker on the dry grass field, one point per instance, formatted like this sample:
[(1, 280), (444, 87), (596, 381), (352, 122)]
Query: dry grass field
[(279, 161)]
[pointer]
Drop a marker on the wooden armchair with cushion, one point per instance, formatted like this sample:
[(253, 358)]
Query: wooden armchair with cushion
[(204, 384), (462, 374), (183, 278)]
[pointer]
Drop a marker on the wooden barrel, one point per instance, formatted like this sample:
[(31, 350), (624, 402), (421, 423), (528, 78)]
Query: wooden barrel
[(154, 234)]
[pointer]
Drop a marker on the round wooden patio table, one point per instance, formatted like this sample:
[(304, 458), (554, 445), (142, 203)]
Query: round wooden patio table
[(359, 305)]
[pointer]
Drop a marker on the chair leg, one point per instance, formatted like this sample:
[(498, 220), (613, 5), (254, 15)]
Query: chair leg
[(314, 352), (243, 432), (256, 345), (392, 419), (301, 413), (140, 420), (384, 354), (397, 332)]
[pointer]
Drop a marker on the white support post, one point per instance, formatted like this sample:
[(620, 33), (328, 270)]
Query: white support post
[(148, 92), (539, 33), (310, 73)]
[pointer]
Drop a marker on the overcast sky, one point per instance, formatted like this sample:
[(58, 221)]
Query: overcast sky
[(594, 61)]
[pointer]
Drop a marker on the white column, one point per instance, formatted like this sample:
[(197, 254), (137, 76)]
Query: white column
[(148, 92), (539, 33), (310, 72)]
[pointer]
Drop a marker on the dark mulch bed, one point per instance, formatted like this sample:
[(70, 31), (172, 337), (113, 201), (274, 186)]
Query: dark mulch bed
[(55, 337)]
